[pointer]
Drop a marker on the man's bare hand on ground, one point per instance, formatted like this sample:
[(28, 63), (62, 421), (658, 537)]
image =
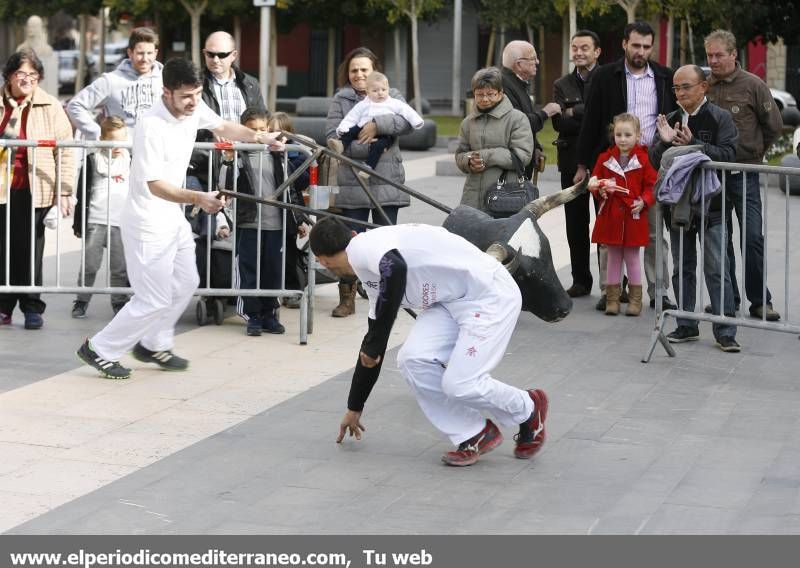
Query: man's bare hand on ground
[(351, 423)]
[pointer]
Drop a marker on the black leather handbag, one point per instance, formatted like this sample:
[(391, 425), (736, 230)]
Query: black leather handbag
[(507, 197)]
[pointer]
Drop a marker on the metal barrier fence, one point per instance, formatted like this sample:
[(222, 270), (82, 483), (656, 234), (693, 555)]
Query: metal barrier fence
[(785, 324), (56, 284)]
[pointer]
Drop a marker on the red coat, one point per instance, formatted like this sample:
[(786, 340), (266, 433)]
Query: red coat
[(615, 224)]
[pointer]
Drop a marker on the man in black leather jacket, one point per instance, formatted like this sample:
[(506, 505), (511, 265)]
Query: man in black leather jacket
[(519, 67), (568, 92), (228, 91)]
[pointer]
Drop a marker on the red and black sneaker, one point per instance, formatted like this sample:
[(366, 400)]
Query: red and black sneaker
[(470, 450), (531, 432)]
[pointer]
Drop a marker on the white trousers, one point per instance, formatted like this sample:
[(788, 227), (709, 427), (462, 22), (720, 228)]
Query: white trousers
[(469, 336), (163, 275)]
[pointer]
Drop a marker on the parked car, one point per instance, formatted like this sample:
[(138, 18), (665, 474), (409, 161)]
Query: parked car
[(68, 70), (114, 53)]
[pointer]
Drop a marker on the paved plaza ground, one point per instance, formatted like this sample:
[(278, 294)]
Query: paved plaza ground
[(706, 442)]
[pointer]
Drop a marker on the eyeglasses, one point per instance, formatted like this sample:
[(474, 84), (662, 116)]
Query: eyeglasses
[(20, 75), (487, 95), (536, 59), (220, 54), (684, 87)]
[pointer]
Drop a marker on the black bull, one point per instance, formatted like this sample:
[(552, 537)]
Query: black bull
[(517, 241)]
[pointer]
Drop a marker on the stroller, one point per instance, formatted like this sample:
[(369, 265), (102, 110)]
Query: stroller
[(212, 307)]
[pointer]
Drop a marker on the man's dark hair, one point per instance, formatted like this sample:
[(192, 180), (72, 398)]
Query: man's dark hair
[(179, 72), (640, 27), (588, 33), (142, 35), (16, 60), (254, 113), (329, 237)]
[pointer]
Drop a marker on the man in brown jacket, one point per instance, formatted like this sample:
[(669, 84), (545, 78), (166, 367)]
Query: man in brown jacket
[(759, 123)]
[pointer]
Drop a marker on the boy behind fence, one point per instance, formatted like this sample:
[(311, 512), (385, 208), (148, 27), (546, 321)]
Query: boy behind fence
[(107, 178), (259, 174)]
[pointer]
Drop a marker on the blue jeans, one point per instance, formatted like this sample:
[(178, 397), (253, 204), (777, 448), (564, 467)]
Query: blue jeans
[(754, 251), (247, 254), (684, 281)]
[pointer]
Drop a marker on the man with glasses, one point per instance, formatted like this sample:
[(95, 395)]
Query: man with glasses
[(569, 93), (134, 86), (759, 121), (519, 68), (710, 129), (228, 91), (641, 87)]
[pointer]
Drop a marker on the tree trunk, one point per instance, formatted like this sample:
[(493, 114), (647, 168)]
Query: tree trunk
[(670, 38), (101, 62), (237, 32), (630, 8), (415, 60), (330, 76), (273, 61), (683, 43), (691, 37), (541, 76), (81, 71), (195, 12), (573, 19), (398, 59), (490, 49)]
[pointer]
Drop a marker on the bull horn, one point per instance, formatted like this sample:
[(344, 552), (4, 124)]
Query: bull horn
[(502, 254), (544, 204), (497, 251)]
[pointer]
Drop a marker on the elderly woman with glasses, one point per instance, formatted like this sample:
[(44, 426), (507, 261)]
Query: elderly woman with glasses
[(488, 137), (26, 195)]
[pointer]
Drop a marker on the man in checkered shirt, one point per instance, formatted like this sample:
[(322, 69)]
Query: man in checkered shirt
[(228, 91)]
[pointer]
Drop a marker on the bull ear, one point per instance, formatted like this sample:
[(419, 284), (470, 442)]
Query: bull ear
[(544, 204)]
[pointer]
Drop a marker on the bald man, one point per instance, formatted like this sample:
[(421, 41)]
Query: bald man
[(519, 68), (228, 91)]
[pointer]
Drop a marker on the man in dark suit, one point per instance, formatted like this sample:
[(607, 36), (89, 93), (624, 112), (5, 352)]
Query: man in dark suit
[(643, 88), (569, 94), (519, 67)]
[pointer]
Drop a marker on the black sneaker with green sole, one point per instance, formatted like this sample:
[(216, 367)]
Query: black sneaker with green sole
[(108, 369), (166, 359)]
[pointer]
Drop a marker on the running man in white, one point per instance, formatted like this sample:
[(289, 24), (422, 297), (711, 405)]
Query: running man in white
[(159, 248), (468, 306)]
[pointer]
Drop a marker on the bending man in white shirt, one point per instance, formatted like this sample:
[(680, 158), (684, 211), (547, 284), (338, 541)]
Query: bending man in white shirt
[(468, 306), (159, 248)]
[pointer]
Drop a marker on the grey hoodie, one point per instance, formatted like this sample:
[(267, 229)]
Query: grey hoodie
[(121, 92)]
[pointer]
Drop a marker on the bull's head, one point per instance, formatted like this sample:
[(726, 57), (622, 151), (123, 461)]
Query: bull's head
[(523, 248)]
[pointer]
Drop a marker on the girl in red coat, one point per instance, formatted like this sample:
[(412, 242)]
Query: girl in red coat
[(623, 180)]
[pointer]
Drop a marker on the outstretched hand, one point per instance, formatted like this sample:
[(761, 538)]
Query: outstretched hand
[(351, 423)]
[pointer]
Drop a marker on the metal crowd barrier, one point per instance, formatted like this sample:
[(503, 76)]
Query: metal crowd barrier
[(785, 324), (59, 287)]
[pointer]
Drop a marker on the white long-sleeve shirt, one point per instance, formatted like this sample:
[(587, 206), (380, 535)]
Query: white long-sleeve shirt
[(366, 110)]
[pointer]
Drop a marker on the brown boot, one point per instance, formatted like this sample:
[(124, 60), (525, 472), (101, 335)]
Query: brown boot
[(347, 301), (635, 300), (612, 299)]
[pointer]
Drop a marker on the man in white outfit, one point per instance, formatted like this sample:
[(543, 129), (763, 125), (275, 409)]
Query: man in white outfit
[(468, 306), (159, 248)]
